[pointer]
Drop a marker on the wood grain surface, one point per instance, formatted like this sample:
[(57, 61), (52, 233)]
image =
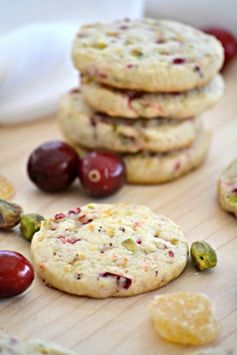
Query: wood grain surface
[(122, 326)]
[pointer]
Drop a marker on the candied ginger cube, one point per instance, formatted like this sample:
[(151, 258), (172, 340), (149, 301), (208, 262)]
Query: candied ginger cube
[(185, 318)]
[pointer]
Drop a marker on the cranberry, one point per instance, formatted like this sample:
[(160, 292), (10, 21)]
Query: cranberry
[(179, 61), (101, 173), (16, 273), (75, 91), (53, 166), (122, 281), (227, 40)]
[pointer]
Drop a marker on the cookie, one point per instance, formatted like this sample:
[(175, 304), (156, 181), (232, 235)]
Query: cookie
[(151, 168), (83, 126), (147, 55), (134, 104), (24, 346), (227, 188), (215, 351), (103, 250)]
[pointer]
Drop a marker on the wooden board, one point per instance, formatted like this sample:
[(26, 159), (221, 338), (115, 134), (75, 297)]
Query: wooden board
[(122, 326)]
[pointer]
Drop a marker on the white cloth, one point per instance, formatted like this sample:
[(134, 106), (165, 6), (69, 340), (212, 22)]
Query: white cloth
[(35, 60)]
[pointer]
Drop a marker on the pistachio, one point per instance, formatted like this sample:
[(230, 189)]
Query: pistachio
[(30, 224), (137, 52), (130, 245), (232, 199), (9, 214), (203, 255), (100, 45)]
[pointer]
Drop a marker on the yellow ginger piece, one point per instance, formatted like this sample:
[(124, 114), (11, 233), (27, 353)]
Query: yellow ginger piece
[(6, 188), (185, 318)]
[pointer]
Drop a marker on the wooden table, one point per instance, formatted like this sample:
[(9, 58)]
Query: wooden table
[(122, 326)]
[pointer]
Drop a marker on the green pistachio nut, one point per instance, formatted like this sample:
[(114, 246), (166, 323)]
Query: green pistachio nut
[(174, 241), (9, 214), (232, 199), (203, 255), (30, 224), (137, 52), (130, 245)]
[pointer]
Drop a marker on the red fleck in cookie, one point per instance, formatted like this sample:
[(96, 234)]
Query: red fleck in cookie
[(135, 104), (147, 55), (103, 250), (82, 125), (227, 188)]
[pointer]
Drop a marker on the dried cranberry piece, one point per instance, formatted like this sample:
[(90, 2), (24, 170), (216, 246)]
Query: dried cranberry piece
[(171, 254), (179, 61), (132, 95), (75, 91), (124, 27), (122, 281)]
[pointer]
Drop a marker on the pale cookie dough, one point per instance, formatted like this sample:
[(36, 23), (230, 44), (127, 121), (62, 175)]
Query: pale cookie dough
[(83, 126), (109, 250), (134, 104), (215, 351), (147, 55), (10, 345), (227, 188), (151, 168)]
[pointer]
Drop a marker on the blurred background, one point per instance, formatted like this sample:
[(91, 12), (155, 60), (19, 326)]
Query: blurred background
[(36, 37)]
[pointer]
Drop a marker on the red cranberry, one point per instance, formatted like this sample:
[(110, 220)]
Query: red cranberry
[(101, 173), (16, 273), (53, 166), (227, 40)]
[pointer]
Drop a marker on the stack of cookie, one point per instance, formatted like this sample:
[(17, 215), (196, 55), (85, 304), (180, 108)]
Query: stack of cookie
[(144, 84)]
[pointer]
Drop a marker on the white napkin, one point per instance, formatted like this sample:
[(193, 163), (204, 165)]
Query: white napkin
[(35, 60), (35, 69)]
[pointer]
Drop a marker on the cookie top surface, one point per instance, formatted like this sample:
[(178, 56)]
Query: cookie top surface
[(147, 54), (109, 250), (227, 188), (10, 345), (132, 104)]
